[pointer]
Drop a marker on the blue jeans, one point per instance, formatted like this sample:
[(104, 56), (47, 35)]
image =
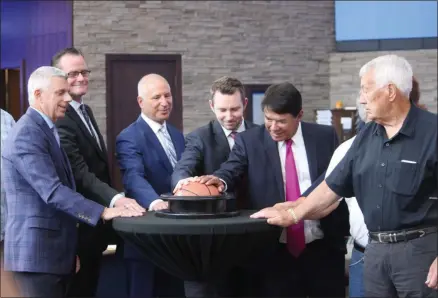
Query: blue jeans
[(356, 286)]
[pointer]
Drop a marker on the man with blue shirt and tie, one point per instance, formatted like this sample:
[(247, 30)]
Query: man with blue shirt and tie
[(147, 151), (43, 209)]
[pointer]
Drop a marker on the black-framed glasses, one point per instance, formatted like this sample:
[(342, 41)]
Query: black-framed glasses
[(75, 74)]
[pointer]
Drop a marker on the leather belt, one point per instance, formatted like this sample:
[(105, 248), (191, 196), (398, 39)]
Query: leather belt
[(403, 235), (358, 247)]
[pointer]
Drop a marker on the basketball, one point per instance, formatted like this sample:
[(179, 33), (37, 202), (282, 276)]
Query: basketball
[(197, 189)]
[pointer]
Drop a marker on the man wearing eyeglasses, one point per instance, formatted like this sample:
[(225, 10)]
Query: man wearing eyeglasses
[(85, 147)]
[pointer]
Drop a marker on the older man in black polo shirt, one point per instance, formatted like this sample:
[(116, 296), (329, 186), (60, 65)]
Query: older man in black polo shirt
[(392, 169)]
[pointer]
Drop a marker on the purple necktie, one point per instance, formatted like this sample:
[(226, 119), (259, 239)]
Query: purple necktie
[(233, 134), (295, 233)]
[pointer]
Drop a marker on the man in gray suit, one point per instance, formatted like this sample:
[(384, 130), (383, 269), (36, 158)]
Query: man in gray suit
[(43, 209)]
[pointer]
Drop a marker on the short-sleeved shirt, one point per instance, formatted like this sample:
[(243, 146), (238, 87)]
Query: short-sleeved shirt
[(394, 180)]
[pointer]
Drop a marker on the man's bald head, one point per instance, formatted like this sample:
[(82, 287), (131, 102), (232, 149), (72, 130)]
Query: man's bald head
[(155, 97), (149, 80)]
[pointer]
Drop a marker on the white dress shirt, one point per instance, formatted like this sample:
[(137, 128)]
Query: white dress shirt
[(228, 132), (312, 230), (156, 127), (358, 228)]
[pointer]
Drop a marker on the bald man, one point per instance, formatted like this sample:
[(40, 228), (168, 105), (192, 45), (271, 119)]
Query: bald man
[(147, 151)]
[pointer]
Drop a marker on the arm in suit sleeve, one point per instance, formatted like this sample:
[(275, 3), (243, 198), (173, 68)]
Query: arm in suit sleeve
[(235, 167), (83, 177), (36, 166), (191, 160), (130, 160)]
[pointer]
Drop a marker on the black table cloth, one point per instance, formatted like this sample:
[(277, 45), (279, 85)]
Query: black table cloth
[(199, 250)]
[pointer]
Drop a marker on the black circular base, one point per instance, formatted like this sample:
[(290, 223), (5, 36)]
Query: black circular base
[(169, 214)]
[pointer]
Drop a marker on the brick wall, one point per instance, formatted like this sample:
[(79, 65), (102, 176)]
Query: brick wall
[(258, 42), (345, 81)]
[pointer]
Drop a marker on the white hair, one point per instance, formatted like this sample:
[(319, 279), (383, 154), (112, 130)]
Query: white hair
[(390, 69), (40, 79)]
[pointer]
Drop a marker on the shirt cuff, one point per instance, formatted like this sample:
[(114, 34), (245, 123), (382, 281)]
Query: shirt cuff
[(115, 198), (225, 185), (154, 203)]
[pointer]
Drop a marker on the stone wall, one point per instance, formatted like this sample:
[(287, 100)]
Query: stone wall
[(259, 42), (345, 81)]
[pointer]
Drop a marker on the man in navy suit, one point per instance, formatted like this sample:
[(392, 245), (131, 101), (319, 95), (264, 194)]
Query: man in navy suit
[(42, 207), (147, 152), (281, 161)]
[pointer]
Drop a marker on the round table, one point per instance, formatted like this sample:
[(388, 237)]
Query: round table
[(198, 250)]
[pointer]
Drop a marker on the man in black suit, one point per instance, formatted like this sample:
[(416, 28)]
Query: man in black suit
[(281, 161), (209, 146), (81, 139)]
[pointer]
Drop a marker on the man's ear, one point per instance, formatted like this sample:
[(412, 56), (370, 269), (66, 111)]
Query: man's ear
[(245, 103), (211, 105), (37, 94), (392, 92), (300, 115), (140, 101)]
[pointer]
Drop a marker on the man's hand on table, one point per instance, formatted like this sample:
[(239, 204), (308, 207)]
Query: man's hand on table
[(159, 205), (129, 204), (276, 216), (207, 180), (110, 213)]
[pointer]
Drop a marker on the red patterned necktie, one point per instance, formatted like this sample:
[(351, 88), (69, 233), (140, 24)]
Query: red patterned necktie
[(295, 233)]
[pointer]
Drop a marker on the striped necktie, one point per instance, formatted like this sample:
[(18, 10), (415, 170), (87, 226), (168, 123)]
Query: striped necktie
[(168, 146)]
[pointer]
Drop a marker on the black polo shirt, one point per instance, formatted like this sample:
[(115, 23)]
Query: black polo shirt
[(394, 180)]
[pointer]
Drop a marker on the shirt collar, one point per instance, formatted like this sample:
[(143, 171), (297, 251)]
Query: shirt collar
[(155, 126), (408, 127), (45, 117), (297, 138), (76, 105), (239, 129)]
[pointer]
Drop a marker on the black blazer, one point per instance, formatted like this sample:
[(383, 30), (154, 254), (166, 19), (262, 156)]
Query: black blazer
[(90, 169), (256, 154), (206, 149)]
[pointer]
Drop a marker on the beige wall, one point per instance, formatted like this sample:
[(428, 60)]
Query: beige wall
[(258, 42), (345, 82)]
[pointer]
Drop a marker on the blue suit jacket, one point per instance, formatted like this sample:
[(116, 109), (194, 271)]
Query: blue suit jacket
[(146, 170), (42, 206), (256, 155)]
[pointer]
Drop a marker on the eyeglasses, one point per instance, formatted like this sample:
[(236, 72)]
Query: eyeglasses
[(75, 74)]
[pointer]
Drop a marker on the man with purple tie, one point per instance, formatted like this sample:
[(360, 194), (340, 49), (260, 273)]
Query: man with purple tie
[(282, 160)]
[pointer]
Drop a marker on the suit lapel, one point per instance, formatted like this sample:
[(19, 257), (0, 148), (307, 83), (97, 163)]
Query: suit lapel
[(271, 148), (75, 117), (56, 148), (152, 139), (312, 156)]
